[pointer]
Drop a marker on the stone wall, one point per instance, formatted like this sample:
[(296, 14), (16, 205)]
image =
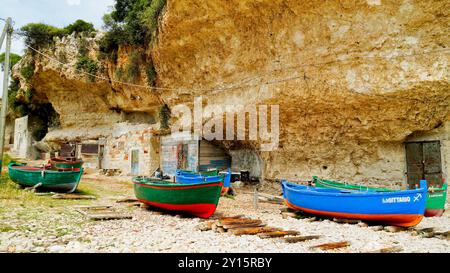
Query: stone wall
[(124, 139)]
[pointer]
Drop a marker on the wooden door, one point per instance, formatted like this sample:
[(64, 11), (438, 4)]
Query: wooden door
[(423, 161)]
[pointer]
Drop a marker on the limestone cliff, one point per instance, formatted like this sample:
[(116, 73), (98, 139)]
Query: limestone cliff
[(353, 79)]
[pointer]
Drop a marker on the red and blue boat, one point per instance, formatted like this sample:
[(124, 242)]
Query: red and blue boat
[(399, 208)]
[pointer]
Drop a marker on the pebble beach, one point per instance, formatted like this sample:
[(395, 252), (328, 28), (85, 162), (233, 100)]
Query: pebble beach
[(61, 228)]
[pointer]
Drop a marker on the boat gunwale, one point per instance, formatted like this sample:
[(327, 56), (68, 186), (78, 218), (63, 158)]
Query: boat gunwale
[(176, 185), (345, 193), (12, 166)]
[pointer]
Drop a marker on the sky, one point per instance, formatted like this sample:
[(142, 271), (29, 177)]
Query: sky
[(59, 13)]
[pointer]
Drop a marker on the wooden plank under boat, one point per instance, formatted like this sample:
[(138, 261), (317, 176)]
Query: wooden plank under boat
[(399, 208), (198, 199), (49, 180), (436, 197), (65, 163)]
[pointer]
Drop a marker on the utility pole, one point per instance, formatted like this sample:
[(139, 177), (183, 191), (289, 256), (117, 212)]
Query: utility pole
[(8, 30)]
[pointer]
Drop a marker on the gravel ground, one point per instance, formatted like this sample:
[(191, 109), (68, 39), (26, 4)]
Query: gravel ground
[(56, 227)]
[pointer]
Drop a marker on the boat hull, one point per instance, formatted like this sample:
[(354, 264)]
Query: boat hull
[(65, 164), (56, 181), (435, 205), (402, 208), (405, 220), (436, 202), (200, 200)]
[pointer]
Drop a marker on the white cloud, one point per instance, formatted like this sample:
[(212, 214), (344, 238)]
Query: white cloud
[(73, 2)]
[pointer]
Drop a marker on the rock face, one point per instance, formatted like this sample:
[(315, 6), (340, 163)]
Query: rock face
[(353, 79)]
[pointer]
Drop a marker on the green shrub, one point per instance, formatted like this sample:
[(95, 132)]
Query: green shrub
[(164, 116), (14, 58), (131, 22), (79, 26), (40, 35), (27, 72), (119, 73), (151, 75), (83, 47), (133, 70), (151, 14), (87, 65)]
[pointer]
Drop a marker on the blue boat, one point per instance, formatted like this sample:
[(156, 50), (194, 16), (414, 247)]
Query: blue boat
[(185, 177), (400, 208), (188, 179)]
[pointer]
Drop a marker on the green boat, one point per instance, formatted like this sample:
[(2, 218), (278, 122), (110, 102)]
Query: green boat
[(436, 197), (320, 183), (436, 201), (61, 163), (48, 180), (200, 199)]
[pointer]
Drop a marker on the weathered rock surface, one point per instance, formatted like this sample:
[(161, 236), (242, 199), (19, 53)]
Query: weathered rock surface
[(353, 79)]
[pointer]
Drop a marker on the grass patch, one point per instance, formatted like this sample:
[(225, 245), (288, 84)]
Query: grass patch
[(6, 228)]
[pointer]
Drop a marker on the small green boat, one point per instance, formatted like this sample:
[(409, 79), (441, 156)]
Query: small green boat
[(436, 201), (436, 197), (320, 183), (61, 163), (200, 199), (49, 180)]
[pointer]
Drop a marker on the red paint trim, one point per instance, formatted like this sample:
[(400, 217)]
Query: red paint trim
[(180, 187), (404, 220), (434, 212), (200, 210), (224, 191)]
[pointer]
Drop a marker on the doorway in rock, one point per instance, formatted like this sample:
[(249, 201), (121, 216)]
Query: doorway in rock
[(423, 161)]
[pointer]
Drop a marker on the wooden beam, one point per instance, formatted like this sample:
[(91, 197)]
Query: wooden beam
[(109, 216), (252, 231), (68, 196), (244, 225), (392, 249), (331, 246), (278, 234), (297, 239)]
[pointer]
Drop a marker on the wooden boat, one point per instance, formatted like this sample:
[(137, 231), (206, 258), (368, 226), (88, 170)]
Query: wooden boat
[(193, 178), (399, 208), (191, 173), (320, 183), (436, 197), (65, 163), (436, 201), (50, 180), (200, 199)]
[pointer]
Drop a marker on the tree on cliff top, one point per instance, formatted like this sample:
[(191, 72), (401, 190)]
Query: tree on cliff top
[(132, 22), (80, 26), (40, 35)]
